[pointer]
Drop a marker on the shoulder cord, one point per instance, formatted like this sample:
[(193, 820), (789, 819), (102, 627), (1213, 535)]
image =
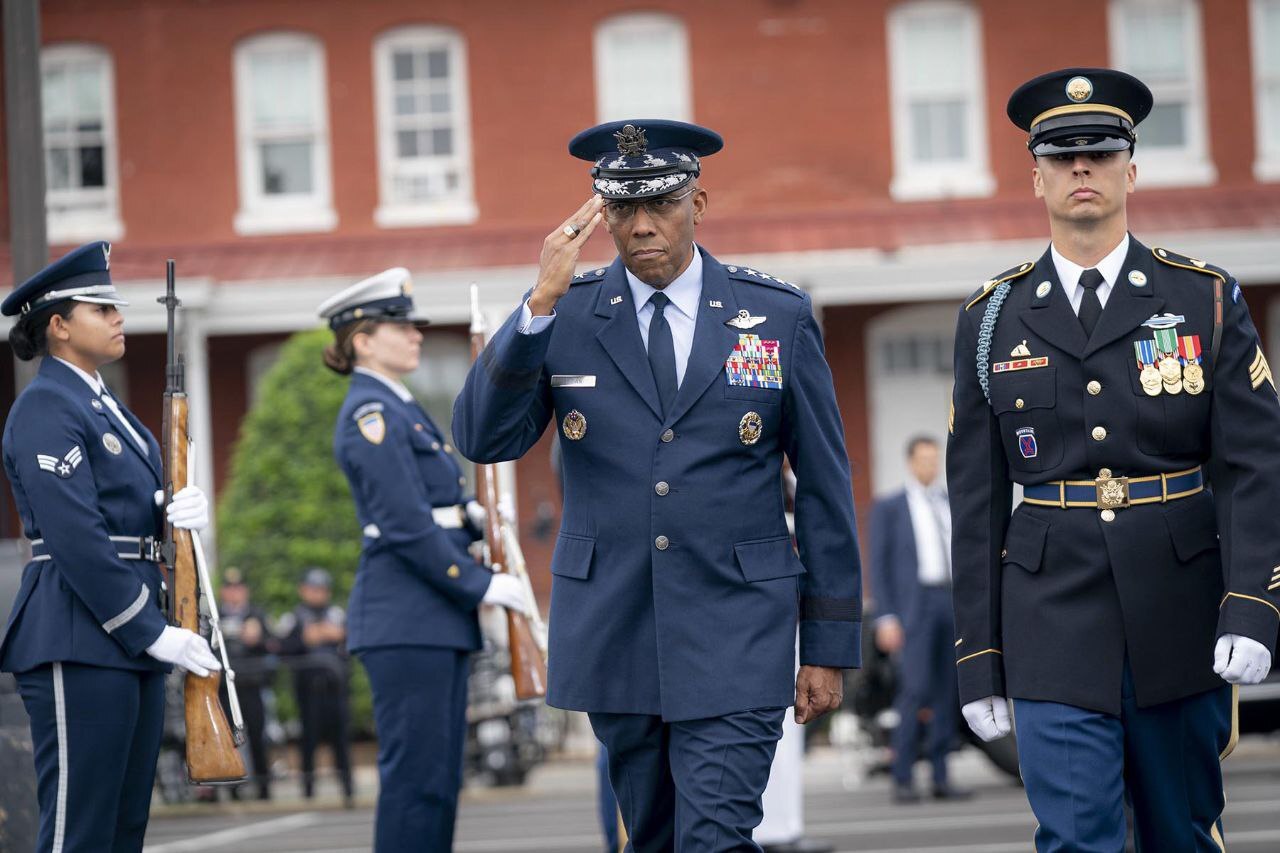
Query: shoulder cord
[(986, 332)]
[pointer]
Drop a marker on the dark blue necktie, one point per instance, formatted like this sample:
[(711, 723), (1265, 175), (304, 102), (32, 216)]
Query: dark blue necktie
[(1090, 304), (662, 353)]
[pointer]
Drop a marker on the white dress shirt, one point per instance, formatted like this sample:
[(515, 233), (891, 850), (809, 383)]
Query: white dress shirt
[(931, 524), (397, 387), (99, 387), (1069, 273), (681, 313)]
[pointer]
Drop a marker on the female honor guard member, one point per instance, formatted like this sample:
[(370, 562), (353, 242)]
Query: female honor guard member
[(87, 638), (412, 616), (1122, 599)]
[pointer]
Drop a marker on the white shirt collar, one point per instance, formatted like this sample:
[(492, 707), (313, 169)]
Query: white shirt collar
[(1110, 266), (918, 489), (94, 382), (398, 387), (684, 292)]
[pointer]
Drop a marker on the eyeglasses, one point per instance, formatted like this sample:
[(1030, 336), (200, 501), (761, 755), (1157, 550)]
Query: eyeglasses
[(618, 212)]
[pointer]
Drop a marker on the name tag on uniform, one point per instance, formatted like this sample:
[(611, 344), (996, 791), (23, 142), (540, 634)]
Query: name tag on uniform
[(569, 380)]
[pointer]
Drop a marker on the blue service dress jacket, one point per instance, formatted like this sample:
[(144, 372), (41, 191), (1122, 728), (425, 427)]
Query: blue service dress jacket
[(78, 479), (676, 588), (1051, 602), (416, 584)]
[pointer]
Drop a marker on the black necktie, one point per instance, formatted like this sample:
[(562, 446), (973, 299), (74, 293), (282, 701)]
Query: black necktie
[(1090, 305), (662, 352)]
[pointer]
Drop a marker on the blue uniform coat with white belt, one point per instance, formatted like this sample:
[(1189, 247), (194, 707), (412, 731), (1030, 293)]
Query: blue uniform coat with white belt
[(702, 621)]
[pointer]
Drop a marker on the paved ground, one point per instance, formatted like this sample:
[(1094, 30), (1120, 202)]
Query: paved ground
[(554, 812)]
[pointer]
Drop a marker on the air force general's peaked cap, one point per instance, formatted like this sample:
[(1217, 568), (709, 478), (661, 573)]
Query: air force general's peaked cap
[(642, 158), (1080, 109), (386, 297), (83, 275)]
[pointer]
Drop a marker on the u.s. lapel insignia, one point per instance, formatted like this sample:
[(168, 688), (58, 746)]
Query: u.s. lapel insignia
[(1260, 371), (750, 428), (1021, 351), (372, 427), (744, 320), (615, 300), (574, 426), (716, 303), (112, 444), (61, 467)]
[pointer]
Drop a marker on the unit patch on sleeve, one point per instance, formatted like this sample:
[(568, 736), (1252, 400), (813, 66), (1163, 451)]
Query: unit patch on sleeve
[(372, 426)]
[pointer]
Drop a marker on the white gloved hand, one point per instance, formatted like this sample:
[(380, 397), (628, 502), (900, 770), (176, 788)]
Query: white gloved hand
[(189, 509), (1240, 660), (506, 510), (507, 591), (185, 649), (476, 515), (988, 718)]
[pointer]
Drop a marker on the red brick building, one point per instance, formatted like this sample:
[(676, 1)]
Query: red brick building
[(281, 149)]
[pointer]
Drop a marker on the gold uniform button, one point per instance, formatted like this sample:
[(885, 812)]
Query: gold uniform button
[(668, 435), (1099, 433), (1108, 515), (662, 488), (1104, 474), (448, 448), (418, 427), (1094, 387), (661, 543), (1019, 403), (462, 481), (453, 571)]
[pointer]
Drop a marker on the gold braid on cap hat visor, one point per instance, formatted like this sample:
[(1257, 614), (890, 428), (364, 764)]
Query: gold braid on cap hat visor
[(1071, 109)]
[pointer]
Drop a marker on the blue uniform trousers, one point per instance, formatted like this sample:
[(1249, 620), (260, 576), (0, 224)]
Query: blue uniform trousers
[(420, 711), (606, 802), (692, 785), (1081, 766), (96, 736), (927, 679)]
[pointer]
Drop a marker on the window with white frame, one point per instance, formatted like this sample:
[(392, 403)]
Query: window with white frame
[(1265, 27), (282, 130), (936, 86), (1158, 41), (424, 133), (77, 96), (642, 68)]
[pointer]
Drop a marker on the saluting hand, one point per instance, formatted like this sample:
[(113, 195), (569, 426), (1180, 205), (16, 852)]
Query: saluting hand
[(560, 256), (819, 689)]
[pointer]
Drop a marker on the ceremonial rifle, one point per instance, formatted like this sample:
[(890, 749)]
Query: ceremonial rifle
[(526, 643), (212, 757)]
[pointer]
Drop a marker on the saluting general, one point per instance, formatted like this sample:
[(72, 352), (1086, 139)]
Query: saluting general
[(1123, 599), (677, 384)]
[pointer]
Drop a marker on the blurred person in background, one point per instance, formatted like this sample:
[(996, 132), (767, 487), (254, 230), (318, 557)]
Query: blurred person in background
[(315, 634), (251, 647)]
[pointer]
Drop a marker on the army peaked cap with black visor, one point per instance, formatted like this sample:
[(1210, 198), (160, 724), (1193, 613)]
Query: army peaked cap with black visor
[(1080, 109)]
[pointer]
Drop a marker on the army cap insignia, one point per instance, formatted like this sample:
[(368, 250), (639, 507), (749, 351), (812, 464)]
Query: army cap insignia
[(631, 141), (67, 465), (745, 320), (1079, 89)]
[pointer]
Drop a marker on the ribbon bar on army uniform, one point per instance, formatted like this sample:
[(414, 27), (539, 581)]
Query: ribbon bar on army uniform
[(1020, 364)]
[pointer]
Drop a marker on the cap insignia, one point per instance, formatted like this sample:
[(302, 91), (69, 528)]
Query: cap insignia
[(631, 141), (1079, 89), (106, 255)]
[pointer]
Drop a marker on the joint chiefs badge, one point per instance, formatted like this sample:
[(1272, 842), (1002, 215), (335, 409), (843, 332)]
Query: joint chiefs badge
[(750, 428), (112, 444), (1027, 443), (574, 425)]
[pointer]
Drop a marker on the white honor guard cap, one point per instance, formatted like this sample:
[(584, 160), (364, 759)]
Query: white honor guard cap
[(386, 297)]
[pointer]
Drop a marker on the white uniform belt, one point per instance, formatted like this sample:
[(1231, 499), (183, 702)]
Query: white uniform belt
[(447, 517), (127, 548)]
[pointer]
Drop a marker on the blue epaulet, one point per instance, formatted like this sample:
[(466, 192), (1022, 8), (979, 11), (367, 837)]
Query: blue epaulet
[(589, 276), (992, 283), (1173, 259), (756, 277)]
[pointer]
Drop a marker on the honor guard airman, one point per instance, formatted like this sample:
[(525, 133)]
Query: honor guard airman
[(412, 614), (677, 385), (87, 639), (1116, 608)]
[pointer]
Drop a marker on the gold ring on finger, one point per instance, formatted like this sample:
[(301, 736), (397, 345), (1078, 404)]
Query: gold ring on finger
[(571, 231)]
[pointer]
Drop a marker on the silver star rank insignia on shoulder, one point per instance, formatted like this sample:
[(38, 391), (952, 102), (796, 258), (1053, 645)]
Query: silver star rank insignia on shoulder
[(745, 320)]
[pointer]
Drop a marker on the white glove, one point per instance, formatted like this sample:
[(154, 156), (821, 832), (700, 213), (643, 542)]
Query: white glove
[(506, 510), (1240, 660), (185, 649), (476, 515), (507, 591), (988, 718), (189, 508)]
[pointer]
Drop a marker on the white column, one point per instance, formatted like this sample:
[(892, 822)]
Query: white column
[(195, 352)]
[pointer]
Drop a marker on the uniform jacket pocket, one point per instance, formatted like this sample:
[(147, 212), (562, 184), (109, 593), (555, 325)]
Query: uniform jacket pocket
[(1024, 543), (772, 396), (1025, 405), (1192, 529), (572, 556), (767, 559)]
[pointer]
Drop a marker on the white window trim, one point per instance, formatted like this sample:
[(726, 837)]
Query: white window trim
[(914, 181), (601, 48), (106, 224), (1190, 166), (1266, 165), (258, 213), (455, 211)]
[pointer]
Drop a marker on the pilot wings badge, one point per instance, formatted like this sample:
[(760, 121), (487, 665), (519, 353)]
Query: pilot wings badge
[(744, 320)]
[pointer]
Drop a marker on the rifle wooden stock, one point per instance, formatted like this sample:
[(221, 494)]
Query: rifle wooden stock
[(212, 757), (528, 664)]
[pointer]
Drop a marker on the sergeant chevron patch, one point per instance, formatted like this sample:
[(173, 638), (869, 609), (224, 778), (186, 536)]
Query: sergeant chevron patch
[(1260, 371), (63, 467)]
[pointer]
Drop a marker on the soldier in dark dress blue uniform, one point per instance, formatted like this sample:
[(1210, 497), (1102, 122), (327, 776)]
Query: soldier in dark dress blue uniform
[(1124, 597), (412, 615), (678, 385), (87, 639)]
